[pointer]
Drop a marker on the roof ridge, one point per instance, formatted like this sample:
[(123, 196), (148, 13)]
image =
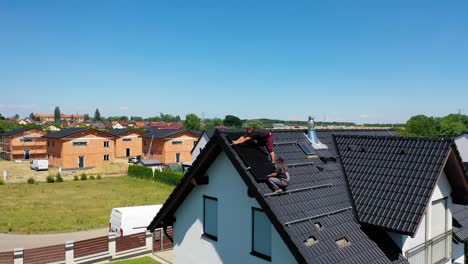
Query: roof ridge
[(441, 139)]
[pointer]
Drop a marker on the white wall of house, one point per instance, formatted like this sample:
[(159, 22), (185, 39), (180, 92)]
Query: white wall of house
[(234, 222), (431, 226), (462, 145), (200, 145)]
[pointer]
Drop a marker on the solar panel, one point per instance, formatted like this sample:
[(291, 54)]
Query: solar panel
[(308, 150), (257, 159)]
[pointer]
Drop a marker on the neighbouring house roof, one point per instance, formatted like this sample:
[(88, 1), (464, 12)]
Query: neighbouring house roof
[(207, 133), (327, 201), (460, 222), (164, 133), (172, 126), (119, 132), (149, 162), (15, 131), (392, 178), (72, 131)]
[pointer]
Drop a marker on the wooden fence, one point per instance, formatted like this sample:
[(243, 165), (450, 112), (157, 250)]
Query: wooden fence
[(105, 248)]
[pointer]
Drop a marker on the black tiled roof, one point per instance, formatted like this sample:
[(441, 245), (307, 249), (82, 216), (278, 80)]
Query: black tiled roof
[(392, 178), (15, 131), (465, 166), (118, 132), (161, 133), (331, 205), (460, 222), (66, 132)]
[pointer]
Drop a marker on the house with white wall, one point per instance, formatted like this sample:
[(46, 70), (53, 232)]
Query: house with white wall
[(224, 212), (462, 144), (201, 143)]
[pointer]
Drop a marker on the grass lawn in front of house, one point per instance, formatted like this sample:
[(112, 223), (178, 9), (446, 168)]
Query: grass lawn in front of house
[(73, 205)]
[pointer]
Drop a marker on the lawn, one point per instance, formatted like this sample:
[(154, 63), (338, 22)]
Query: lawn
[(144, 260), (73, 205)]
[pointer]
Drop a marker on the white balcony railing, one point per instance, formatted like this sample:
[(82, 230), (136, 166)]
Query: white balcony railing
[(434, 251)]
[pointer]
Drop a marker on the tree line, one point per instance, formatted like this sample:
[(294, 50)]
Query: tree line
[(428, 126)]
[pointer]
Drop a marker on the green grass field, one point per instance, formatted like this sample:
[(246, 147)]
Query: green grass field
[(73, 205), (144, 260)]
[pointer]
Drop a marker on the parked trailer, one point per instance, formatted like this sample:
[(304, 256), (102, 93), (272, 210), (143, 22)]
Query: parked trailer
[(132, 220)]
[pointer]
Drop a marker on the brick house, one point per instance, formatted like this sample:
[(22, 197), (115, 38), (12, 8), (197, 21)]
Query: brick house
[(128, 142), (23, 144), (51, 117), (79, 148), (169, 146)]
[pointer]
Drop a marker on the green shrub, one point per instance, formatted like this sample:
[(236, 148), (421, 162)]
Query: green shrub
[(169, 177), (58, 178), (98, 177), (2, 182), (31, 180), (92, 177), (75, 178), (50, 179), (83, 176), (140, 172)]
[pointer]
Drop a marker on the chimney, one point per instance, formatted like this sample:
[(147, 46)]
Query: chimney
[(311, 132)]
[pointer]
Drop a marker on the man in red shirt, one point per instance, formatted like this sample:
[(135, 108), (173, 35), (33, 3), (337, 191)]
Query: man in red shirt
[(263, 137)]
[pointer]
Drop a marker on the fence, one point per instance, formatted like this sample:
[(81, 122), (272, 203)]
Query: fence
[(92, 250)]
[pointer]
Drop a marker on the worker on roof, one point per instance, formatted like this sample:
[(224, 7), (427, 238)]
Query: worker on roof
[(279, 180), (263, 138)]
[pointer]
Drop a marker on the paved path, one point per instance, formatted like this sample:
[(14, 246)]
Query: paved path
[(10, 241)]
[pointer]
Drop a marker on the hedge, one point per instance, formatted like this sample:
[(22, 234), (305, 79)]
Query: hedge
[(165, 176)]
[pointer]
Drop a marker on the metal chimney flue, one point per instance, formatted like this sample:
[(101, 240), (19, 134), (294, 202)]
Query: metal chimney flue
[(311, 131)]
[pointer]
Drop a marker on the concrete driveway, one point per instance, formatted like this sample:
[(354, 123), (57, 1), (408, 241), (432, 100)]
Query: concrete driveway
[(10, 241)]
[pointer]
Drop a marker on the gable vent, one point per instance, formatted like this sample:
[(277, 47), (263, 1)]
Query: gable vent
[(310, 241)]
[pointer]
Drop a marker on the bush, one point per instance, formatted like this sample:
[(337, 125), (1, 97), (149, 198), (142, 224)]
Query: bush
[(98, 177), (50, 179), (75, 178), (83, 177), (2, 182), (58, 178), (92, 177), (140, 172), (31, 180)]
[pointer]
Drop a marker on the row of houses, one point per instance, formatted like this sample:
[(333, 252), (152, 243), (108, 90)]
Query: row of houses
[(79, 148), (355, 196)]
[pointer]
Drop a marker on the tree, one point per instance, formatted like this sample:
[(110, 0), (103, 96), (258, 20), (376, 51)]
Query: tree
[(232, 121), (57, 115), (16, 116), (32, 116), (136, 118), (255, 123), (97, 115), (420, 125), (450, 128), (2, 117), (192, 121), (86, 117)]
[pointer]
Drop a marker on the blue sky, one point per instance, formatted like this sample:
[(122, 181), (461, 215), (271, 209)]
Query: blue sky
[(347, 60)]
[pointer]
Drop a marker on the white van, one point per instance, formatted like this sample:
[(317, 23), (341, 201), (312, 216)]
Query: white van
[(131, 220), (38, 164)]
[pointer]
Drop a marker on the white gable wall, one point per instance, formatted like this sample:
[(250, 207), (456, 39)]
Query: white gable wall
[(200, 145), (462, 145), (234, 222), (424, 232)]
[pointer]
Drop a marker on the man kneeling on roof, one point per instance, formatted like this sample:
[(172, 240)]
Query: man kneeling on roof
[(279, 180), (263, 138)]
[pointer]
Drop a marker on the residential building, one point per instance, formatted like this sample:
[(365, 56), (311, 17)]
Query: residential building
[(23, 144), (51, 128), (169, 146), (462, 144), (201, 143), (51, 117), (128, 142), (80, 148), (393, 204), (117, 125)]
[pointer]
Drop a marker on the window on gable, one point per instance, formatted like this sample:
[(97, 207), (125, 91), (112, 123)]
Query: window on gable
[(210, 217), (261, 235), (79, 143), (176, 142), (106, 144), (128, 139)]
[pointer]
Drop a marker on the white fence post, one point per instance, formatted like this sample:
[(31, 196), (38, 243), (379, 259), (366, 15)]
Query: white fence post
[(18, 255), (69, 252), (112, 246), (149, 240)]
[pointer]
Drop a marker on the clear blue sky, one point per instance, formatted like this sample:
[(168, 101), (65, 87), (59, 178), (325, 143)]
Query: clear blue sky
[(346, 60)]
